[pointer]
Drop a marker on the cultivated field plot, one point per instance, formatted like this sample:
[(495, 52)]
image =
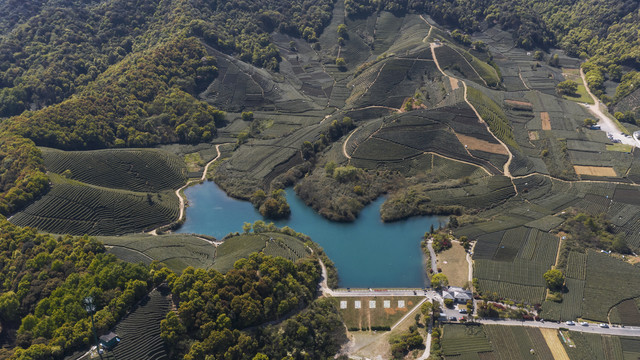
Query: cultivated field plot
[(487, 192), (464, 341), (144, 170), (581, 95), (177, 251), (515, 342), (571, 306), (596, 346), (626, 313), (241, 246), (609, 281), (511, 263), (76, 208), (450, 59), (139, 332), (365, 313), (551, 336)]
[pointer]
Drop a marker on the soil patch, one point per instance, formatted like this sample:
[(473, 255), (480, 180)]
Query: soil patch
[(518, 103), (533, 135), (546, 121), (554, 344), (454, 83), (605, 171), (476, 144)]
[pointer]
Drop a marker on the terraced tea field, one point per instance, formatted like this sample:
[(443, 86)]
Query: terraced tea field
[(177, 251), (241, 246), (76, 208), (143, 170)]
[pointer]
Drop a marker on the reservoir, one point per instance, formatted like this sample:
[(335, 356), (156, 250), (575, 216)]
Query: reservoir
[(367, 252)]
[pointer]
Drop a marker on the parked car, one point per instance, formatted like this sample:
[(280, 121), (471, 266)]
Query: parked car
[(603, 325), (453, 318), (462, 311)]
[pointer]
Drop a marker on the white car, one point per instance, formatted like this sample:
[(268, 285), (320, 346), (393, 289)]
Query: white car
[(570, 322), (584, 323), (603, 325)]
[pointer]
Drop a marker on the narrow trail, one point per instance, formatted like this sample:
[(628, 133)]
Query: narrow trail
[(506, 170), (409, 313), (344, 145), (178, 192)]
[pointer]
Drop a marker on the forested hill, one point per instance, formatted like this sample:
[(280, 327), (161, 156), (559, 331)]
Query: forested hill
[(95, 74)]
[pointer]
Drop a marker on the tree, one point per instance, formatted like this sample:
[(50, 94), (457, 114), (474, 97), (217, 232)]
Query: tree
[(342, 31), (341, 63), (438, 281), (538, 55), (619, 245), (589, 122), (448, 303), (554, 279), (567, 87)]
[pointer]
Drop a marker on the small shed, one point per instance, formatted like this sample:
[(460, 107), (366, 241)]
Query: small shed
[(109, 340)]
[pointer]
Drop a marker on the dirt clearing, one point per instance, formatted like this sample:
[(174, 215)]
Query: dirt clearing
[(476, 144), (554, 344), (546, 121), (453, 263), (606, 171), (454, 83), (533, 135)]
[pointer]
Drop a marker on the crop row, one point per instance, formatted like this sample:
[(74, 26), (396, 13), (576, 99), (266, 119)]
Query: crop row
[(140, 331), (80, 209), (516, 292), (571, 306), (609, 281), (138, 169)]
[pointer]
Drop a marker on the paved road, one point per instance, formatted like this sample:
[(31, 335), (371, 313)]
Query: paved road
[(592, 328), (434, 262)]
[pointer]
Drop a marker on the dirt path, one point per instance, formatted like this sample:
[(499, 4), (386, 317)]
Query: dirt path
[(344, 145), (506, 171), (130, 249)]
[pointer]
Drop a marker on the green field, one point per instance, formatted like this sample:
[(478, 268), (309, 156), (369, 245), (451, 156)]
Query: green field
[(581, 95), (516, 342), (464, 341)]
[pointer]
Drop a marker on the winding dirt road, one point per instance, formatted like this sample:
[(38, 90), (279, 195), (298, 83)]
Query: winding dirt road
[(506, 171)]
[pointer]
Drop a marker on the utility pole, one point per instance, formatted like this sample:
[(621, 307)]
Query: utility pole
[(90, 307)]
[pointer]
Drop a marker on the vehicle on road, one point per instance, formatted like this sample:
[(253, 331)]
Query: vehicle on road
[(584, 323), (570, 322), (603, 325)]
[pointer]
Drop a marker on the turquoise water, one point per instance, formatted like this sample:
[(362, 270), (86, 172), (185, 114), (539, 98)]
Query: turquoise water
[(367, 252)]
